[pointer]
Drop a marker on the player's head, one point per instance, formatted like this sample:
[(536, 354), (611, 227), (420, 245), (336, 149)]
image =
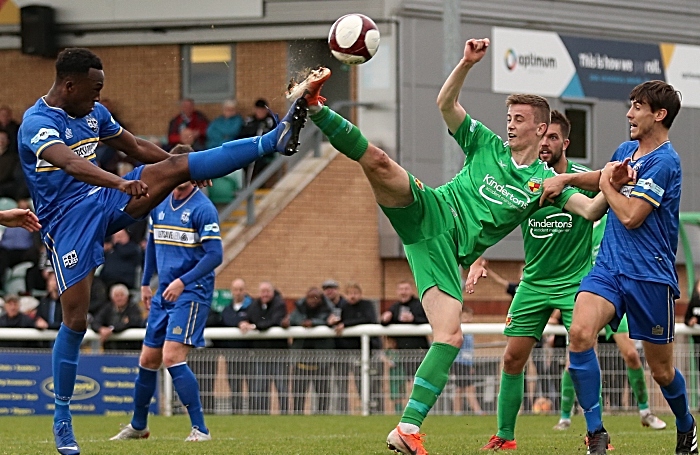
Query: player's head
[(528, 117), (79, 77), (654, 103), (182, 149), (555, 141), (353, 292)]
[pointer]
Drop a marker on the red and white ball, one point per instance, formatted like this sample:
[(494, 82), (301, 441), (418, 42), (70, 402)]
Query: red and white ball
[(354, 39)]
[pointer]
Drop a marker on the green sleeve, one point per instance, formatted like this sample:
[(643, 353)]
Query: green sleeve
[(563, 198), (473, 135)]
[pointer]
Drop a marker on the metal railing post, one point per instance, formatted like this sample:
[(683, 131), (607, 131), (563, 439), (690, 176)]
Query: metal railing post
[(364, 345), (167, 392)]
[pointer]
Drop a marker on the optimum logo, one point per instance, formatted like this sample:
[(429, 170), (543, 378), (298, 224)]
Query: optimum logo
[(531, 60), (84, 388), (552, 224), (515, 197)]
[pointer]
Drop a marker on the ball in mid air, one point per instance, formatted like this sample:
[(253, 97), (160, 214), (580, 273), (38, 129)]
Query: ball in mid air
[(353, 39)]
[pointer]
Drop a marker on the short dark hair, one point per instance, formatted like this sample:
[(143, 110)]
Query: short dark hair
[(76, 60), (538, 103), (658, 95), (563, 122)]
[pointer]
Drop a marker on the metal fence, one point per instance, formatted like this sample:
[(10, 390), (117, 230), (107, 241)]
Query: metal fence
[(363, 382)]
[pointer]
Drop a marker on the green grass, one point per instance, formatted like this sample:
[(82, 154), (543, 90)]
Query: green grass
[(325, 435)]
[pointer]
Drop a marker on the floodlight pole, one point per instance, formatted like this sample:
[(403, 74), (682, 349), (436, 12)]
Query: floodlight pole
[(452, 156)]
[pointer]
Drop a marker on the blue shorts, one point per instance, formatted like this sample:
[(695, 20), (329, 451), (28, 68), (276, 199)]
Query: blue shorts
[(182, 321), (649, 306), (75, 242)]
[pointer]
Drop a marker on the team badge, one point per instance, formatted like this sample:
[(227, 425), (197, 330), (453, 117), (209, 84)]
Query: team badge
[(92, 123), (161, 216), (177, 330), (534, 184), (69, 133), (658, 330), (70, 259), (185, 218), (509, 319), (419, 184)]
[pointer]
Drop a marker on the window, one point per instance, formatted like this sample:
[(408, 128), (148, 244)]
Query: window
[(580, 136), (208, 72)]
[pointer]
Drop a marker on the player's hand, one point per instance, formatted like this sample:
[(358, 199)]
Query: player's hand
[(619, 173), (24, 218), (476, 271), (135, 188), (475, 49), (551, 188), (202, 183), (146, 296), (173, 291)]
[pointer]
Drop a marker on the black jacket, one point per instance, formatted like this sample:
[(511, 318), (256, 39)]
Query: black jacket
[(230, 317), (693, 310), (362, 312), (419, 317), (319, 317), (43, 311), (266, 316), (21, 321), (129, 318)]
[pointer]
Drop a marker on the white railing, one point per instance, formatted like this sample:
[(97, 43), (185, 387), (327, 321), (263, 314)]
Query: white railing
[(364, 332)]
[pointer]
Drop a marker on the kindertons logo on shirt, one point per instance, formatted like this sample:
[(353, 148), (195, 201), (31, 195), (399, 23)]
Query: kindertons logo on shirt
[(552, 224), (499, 193)]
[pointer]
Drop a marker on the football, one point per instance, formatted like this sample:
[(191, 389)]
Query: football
[(354, 39)]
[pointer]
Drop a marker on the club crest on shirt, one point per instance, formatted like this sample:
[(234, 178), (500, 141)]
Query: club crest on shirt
[(185, 218), (69, 133), (92, 122), (161, 216), (419, 184), (534, 184), (509, 319)]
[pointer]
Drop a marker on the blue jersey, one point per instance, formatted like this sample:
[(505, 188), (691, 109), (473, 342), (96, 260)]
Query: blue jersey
[(54, 191), (649, 250), (178, 232), (466, 352)]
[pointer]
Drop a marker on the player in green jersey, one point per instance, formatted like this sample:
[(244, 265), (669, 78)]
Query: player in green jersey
[(452, 225), (628, 350)]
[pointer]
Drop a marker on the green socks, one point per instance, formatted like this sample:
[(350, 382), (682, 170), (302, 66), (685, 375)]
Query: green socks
[(567, 395), (510, 398), (431, 378), (343, 135), (639, 387)]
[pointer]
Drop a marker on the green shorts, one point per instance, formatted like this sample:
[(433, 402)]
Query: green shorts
[(531, 309), (427, 229), (622, 328)]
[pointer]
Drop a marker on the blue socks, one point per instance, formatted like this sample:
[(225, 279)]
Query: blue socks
[(188, 390), (677, 399), (231, 156), (144, 388), (66, 351), (585, 372)]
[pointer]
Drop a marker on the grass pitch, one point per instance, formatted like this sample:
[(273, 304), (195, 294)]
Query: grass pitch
[(311, 435)]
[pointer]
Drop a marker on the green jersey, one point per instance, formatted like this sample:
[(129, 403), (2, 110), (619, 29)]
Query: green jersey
[(491, 195), (557, 242)]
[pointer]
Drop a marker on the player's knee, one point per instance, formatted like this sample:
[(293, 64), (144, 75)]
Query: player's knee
[(631, 357), (173, 357), (513, 362), (150, 361), (451, 337), (663, 374), (581, 337)]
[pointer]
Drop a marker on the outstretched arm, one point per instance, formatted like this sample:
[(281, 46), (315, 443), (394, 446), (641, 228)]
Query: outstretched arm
[(140, 149), (20, 218), (591, 209), (452, 112)]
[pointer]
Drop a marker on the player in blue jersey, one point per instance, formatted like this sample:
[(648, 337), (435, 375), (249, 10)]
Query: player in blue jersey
[(635, 272), (184, 248), (78, 204)]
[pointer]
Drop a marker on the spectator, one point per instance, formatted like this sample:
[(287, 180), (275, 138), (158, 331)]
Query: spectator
[(692, 316), (189, 118), (120, 315), (123, 258), (9, 163), (268, 310), (233, 315), (14, 319), (463, 370), (311, 311), (331, 289), (18, 245), (407, 310), (8, 125), (257, 124), (354, 311), (49, 314), (226, 127)]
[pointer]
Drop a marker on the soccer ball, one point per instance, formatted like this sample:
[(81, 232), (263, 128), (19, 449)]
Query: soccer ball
[(354, 39)]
